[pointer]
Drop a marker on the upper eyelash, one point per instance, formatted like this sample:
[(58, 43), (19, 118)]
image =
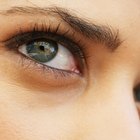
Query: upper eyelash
[(37, 32)]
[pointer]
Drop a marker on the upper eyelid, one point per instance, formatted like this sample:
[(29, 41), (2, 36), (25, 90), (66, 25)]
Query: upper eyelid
[(37, 30), (36, 33), (99, 33), (44, 26)]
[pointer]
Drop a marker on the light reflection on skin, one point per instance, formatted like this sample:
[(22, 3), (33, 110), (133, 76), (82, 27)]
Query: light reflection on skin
[(35, 105)]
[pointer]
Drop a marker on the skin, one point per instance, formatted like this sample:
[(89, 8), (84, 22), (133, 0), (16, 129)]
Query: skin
[(98, 106)]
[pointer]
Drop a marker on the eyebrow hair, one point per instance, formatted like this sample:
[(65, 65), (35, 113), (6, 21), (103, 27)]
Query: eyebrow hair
[(102, 34)]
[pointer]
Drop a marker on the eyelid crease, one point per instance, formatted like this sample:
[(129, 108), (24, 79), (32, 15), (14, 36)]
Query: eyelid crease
[(102, 34)]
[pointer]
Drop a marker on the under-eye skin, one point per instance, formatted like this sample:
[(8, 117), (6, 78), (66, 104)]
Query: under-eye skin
[(43, 46)]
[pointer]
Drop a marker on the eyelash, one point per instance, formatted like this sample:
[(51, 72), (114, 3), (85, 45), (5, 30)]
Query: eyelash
[(37, 32)]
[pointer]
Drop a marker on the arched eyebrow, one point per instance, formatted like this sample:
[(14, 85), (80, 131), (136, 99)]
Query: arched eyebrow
[(100, 33)]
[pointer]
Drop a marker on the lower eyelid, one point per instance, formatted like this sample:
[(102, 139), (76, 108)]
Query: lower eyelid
[(47, 73)]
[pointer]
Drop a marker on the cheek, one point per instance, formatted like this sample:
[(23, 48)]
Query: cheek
[(28, 84), (35, 122)]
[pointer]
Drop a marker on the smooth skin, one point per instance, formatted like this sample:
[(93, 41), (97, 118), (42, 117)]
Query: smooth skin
[(99, 106)]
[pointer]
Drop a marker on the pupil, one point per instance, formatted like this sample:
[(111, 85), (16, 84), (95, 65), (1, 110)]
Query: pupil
[(42, 48)]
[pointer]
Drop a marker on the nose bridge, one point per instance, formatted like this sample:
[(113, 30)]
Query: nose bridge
[(109, 111)]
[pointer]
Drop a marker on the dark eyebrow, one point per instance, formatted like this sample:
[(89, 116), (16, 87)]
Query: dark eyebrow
[(103, 34)]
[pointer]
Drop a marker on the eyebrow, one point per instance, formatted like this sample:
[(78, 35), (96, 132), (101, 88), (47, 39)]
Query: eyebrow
[(100, 33)]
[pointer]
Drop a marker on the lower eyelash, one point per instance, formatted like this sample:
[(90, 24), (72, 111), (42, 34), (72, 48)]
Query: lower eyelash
[(28, 63)]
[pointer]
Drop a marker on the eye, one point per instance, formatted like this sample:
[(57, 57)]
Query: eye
[(50, 53), (137, 94), (137, 98)]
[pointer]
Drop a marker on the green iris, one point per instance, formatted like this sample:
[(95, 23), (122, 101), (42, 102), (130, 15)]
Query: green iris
[(42, 51)]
